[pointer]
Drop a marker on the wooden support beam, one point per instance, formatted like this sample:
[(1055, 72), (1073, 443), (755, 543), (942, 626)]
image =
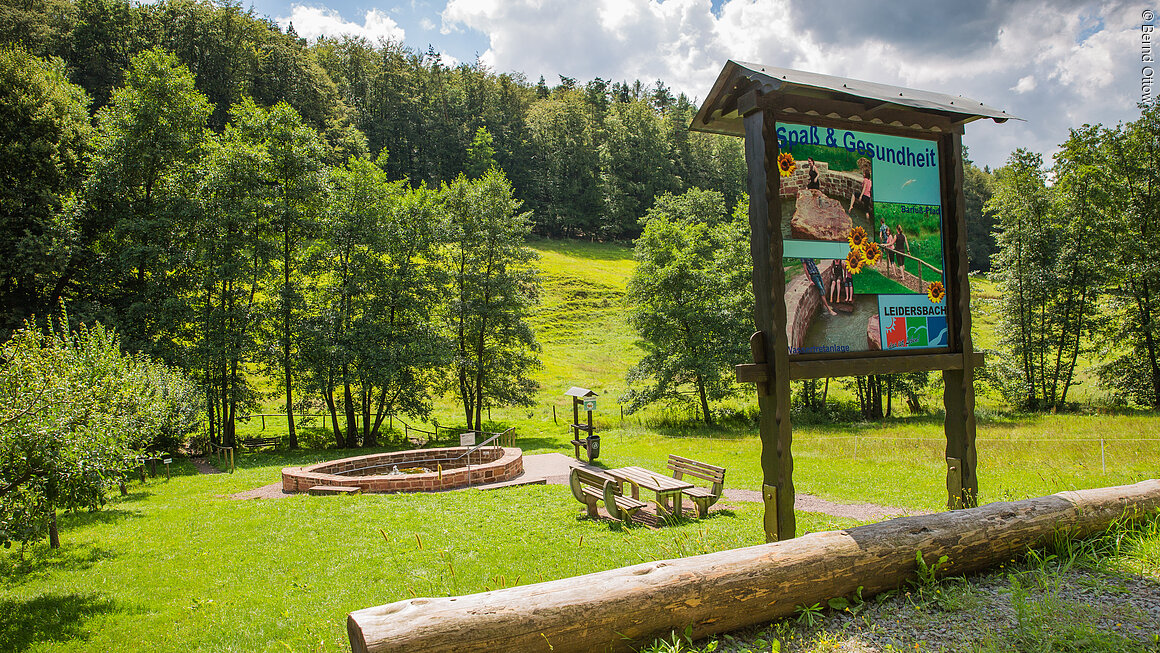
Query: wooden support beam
[(625, 609), (761, 150), (959, 383)]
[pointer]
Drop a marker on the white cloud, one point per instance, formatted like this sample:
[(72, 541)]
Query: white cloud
[(313, 22), (1024, 84), (1036, 59), (427, 24)]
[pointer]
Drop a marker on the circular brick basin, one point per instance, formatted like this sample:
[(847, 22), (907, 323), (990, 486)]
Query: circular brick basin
[(449, 469)]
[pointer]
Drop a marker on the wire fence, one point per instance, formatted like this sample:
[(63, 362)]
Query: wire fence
[(1118, 451)]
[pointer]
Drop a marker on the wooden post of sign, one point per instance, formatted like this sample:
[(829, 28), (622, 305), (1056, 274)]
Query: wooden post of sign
[(959, 385), (771, 342)]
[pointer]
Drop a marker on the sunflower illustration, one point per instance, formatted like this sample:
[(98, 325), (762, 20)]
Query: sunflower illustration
[(786, 164), (871, 253), (936, 292), (854, 261), (858, 238)]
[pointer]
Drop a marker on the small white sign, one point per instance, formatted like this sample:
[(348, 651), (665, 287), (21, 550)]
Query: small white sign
[(466, 439), (167, 461)]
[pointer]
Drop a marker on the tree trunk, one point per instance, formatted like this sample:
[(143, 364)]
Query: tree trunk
[(328, 397), (287, 365), (365, 396), (704, 400), (294, 434), (624, 609), (889, 394), (209, 404), (53, 534), (351, 422)]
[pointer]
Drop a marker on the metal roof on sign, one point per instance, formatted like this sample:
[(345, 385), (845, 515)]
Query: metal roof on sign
[(840, 98), (575, 391)]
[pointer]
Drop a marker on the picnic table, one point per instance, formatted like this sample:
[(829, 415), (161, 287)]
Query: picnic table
[(667, 489)]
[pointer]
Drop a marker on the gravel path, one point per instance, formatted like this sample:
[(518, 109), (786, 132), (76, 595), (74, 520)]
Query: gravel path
[(811, 503), (271, 491), (554, 469)]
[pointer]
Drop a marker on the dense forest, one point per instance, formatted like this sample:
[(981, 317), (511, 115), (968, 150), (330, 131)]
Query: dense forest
[(586, 158), (199, 180)]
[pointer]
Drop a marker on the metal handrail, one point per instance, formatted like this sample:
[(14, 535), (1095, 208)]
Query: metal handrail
[(476, 447)]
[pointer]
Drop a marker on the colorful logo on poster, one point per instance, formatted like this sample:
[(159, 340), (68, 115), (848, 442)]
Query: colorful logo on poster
[(912, 322)]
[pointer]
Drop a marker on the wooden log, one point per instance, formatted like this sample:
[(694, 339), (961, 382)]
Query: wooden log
[(628, 607)]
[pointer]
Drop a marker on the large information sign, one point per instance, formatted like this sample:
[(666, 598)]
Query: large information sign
[(862, 229)]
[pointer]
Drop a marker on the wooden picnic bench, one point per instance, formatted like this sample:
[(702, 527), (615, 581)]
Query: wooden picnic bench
[(668, 490), (258, 443), (703, 497), (590, 486)]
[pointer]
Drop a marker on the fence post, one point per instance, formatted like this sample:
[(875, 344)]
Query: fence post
[(1103, 460), (263, 422)]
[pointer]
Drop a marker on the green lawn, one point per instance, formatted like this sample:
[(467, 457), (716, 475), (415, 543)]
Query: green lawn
[(179, 566)]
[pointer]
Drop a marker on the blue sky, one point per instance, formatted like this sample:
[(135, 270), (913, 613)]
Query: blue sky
[(1056, 64)]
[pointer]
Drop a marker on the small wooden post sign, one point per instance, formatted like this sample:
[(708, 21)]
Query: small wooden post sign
[(856, 198)]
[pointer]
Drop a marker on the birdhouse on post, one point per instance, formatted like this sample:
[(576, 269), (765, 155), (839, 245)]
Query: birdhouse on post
[(591, 442)]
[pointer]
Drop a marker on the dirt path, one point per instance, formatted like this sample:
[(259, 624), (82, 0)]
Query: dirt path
[(554, 468), (271, 491), (811, 503), (203, 467)]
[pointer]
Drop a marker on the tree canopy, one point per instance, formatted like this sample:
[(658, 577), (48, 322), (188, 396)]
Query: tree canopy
[(690, 300)]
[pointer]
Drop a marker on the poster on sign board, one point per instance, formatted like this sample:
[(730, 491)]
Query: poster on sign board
[(862, 232)]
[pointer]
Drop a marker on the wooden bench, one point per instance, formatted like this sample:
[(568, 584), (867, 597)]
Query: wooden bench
[(703, 497), (589, 487), (258, 443)]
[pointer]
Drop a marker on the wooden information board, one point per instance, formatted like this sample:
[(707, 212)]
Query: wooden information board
[(832, 161)]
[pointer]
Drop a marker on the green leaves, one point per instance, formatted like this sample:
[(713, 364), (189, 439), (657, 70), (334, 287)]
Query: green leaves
[(74, 412), (689, 299), (45, 131), (493, 286)]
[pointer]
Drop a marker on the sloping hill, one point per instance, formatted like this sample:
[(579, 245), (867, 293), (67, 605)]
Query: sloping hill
[(581, 321)]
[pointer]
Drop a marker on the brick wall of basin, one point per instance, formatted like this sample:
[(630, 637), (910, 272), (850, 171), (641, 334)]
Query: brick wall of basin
[(488, 465)]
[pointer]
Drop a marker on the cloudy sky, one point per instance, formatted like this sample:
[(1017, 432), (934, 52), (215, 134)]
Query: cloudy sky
[(1056, 64)]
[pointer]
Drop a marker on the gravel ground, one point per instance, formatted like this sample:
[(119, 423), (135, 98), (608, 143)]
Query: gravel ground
[(1076, 610), (811, 503)]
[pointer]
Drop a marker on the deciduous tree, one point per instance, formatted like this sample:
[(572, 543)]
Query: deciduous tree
[(74, 411), (44, 136), (494, 285), (377, 288), (689, 300)]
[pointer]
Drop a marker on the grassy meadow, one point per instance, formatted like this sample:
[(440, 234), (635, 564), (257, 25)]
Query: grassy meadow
[(180, 565)]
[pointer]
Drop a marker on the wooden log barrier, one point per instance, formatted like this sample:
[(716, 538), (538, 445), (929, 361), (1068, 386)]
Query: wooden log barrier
[(623, 608)]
